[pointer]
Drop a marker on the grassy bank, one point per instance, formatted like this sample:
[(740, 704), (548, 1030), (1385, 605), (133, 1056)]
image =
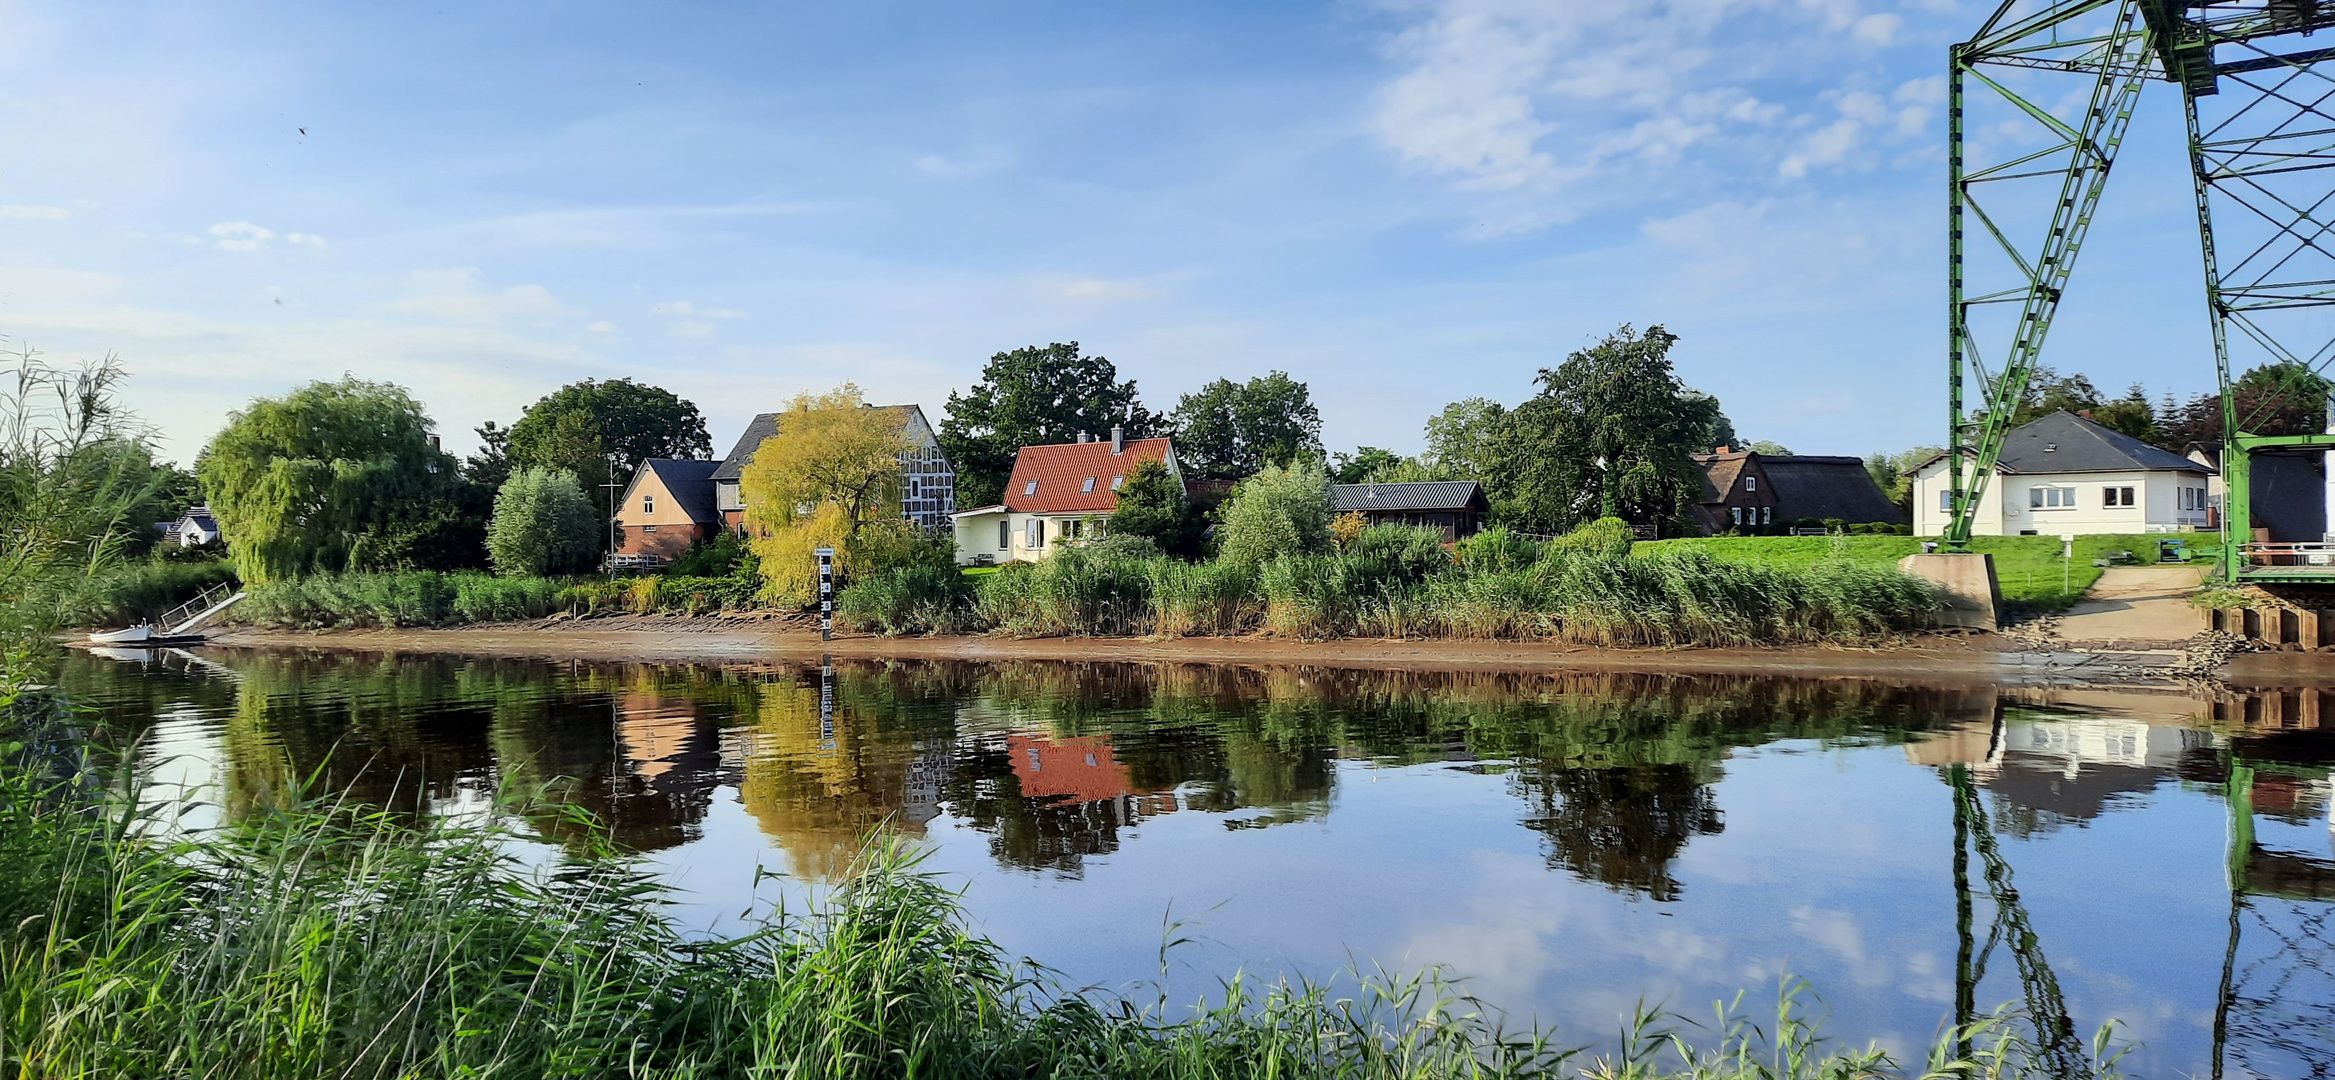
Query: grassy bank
[(326, 940), (2029, 567), (1399, 582)]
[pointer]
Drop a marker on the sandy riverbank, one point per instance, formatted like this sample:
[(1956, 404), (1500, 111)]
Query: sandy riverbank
[(1927, 658)]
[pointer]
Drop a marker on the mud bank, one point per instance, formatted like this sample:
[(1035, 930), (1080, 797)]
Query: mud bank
[(1928, 659)]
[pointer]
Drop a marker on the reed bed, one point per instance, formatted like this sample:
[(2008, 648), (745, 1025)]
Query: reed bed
[(327, 939), (409, 598), (1394, 582)]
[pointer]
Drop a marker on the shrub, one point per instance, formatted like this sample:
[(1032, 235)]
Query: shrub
[(1497, 551), (139, 591), (1077, 591), (1277, 512), (1189, 599), (543, 524), (1398, 554), (716, 557), (1606, 538), (919, 599)]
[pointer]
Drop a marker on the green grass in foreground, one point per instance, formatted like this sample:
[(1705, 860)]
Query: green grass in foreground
[(317, 939), (2028, 567)]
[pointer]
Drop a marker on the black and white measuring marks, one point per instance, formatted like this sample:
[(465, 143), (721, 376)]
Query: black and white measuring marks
[(826, 593), (826, 701)]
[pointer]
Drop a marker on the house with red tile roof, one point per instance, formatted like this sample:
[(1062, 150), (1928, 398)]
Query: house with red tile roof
[(1059, 493)]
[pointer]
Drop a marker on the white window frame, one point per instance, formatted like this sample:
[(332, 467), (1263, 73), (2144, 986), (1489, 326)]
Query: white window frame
[(1030, 488), (2052, 497), (648, 504), (1738, 513), (1004, 534), (1751, 483), (1087, 487), (1037, 532)]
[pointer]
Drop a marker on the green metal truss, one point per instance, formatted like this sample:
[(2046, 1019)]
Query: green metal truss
[(2261, 125)]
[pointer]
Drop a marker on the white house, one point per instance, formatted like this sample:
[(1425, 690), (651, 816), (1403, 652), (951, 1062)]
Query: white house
[(2065, 474), (1061, 491)]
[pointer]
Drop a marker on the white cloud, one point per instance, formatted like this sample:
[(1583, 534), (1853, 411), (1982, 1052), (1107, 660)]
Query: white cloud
[(241, 236), (1880, 29), (34, 213), (1100, 289), (307, 239), (455, 295), (603, 326), (978, 163), (691, 329), (54, 285), (1546, 108), (685, 308)]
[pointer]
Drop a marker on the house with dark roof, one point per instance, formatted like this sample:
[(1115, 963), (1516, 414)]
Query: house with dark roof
[(667, 507), (1457, 507), (2064, 474), (2287, 493), (928, 482), (1748, 491), (194, 528), (1059, 492)]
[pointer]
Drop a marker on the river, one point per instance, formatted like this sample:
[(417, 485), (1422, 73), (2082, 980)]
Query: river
[(1570, 845)]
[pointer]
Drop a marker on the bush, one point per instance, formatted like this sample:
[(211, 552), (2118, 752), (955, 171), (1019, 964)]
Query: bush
[(1078, 591), (1604, 538), (141, 591), (1497, 551), (543, 524), (921, 599), (1190, 599), (1277, 512), (716, 557)]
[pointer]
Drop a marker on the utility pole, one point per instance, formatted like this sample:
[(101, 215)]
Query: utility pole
[(612, 487)]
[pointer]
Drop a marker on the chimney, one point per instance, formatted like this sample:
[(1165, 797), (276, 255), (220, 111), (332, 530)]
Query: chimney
[(1085, 438), (1118, 440), (433, 442), (1723, 450)]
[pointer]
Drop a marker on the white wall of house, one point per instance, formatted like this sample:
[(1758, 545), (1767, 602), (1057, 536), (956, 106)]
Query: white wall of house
[(2054, 504), (978, 536)]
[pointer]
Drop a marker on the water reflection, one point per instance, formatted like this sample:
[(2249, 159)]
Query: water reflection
[(1665, 796)]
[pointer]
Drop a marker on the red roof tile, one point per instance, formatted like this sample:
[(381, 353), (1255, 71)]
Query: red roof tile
[(1061, 472)]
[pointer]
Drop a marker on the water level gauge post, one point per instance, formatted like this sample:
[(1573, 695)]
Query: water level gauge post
[(826, 593)]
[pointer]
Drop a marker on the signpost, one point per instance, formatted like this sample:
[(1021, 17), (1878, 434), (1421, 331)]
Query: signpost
[(2067, 560), (826, 593)]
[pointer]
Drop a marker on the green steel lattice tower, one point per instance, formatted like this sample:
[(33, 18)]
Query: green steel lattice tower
[(2027, 170)]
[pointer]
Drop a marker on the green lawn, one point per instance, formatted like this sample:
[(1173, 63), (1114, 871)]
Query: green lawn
[(978, 571), (2028, 567)]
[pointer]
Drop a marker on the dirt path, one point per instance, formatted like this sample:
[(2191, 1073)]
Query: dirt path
[(2135, 606)]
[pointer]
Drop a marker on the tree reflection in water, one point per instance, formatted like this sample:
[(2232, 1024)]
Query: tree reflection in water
[(1055, 762)]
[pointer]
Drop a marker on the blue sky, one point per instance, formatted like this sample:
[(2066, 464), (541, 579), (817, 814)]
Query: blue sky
[(1400, 203)]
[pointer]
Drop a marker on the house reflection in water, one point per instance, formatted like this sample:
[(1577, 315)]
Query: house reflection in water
[(1075, 796), (822, 791), (2046, 771)]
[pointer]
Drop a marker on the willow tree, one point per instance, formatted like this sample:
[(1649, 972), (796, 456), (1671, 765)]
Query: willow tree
[(332, 476), (829, 477)]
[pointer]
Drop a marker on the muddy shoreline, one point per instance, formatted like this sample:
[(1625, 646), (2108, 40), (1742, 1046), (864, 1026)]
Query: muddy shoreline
[(1932, 659)]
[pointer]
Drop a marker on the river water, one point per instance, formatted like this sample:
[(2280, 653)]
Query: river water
[(1571, 845)]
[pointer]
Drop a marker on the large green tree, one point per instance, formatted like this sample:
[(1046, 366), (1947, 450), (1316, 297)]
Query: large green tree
[(1228, 430), (1610, 431), (2272, 399), (1463, 440), (1028, 397), (587, 427), (334, 476), (1277, 512), (1152, 504)]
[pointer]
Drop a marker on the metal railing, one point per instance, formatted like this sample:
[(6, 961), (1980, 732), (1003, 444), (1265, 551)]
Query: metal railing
[(2309, 557)]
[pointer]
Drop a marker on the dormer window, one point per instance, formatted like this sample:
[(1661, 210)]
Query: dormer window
[(1030, 488), (1087, 487), (2050, 448)]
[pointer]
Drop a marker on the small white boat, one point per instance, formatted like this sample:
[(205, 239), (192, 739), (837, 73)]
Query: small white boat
[(178, 626), (136, 635)]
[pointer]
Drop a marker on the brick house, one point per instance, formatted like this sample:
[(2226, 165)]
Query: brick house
[(667, 507), (928, 482), (1061, 491)]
